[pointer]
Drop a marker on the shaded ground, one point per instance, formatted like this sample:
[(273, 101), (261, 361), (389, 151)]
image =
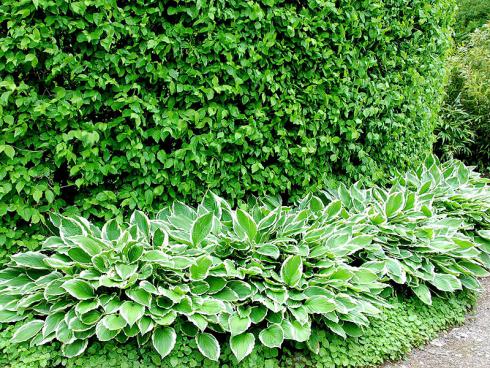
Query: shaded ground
[(467, 346)]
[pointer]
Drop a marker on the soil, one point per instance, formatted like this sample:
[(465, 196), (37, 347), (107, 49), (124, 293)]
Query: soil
[(467, 346)]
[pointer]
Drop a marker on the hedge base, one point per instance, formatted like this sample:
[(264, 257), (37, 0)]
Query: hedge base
[(408, 324)]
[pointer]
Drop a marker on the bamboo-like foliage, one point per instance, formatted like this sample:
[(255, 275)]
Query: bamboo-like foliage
[(264, 273)]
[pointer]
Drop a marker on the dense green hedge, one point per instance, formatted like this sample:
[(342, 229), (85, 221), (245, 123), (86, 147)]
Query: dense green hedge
[(409, 323), (110, 105)]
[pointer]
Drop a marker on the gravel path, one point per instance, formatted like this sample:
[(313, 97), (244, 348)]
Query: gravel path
[(467, 346)]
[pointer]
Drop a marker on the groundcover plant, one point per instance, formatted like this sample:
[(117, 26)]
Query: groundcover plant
[(260, 274)]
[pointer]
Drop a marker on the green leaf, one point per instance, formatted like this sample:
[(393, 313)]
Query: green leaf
[(163, 340), (113, 322), (445, 282), (242, 345), (79, 289), (199, 270), (140, 295), (320, 304), (292, 270), (111, 230), (333, 208), (201, 227), (31, 260), (131, 312), (423, 293), (272, 336), (142, 222), (74, 349), (27, 331), (238, 325), (244, 223), (208, 346), (105, 334), (394, 204)]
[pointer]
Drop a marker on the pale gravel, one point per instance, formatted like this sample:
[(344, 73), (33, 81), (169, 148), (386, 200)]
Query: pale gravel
[(466, 346)]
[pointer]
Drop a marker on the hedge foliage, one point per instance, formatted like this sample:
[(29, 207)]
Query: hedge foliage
[(465, 129), (408, 323), (110, 106), (256, 276)]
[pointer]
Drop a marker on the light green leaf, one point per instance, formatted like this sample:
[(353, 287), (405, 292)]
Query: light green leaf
[(272, 336), (320, 304), (423, 293), (27, 331), (445, 282), (31, 260), (201, 227), (394, 204), (244, 223), (242, 345), (163, 340), (199, 270), (208, 346), (74, 349), (292, 270), (238, 325), (79, 289), (132, 312), (140, 295)]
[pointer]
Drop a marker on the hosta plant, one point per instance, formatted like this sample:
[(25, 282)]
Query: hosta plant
[(261, 274)]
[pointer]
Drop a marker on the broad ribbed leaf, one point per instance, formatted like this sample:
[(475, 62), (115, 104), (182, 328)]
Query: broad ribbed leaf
[(79, 289), (199, 271), (244, 223), (201, 227), (163, 340), (30, 260), (208, 346), (238, 325), (27, 331), (139, 295), (320, 304), (394, 204), (132, 312), (423, 293), (75, 348), (272, 336), (242, 345), (292, 270)]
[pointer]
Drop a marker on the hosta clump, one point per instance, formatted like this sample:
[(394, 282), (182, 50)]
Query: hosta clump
[(264, 274), (211, 272), (430, 229)]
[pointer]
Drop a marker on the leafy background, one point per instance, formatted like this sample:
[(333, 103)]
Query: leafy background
[(107, 106)]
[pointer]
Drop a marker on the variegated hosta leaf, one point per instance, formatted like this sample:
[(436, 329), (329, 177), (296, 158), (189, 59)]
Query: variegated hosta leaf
[(265, 273)]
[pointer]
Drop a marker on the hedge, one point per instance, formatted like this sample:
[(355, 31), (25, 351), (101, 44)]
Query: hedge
[(408, 323), (107, 106)]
